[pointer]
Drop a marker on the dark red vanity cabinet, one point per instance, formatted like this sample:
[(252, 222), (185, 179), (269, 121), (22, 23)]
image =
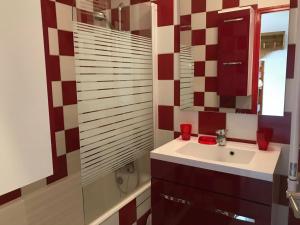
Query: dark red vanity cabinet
[(183, 195), (235, 52)]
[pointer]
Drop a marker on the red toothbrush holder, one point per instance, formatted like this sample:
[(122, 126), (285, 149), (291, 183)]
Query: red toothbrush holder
[(186, 131), (264, 136)]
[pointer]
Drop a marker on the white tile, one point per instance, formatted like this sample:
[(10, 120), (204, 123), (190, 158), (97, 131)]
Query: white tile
[(67, 68), (186, 37), (211, 99), (165, 36), (265, 4), (181, 116), (199, 52), (165, 92), (244, 102), (176, 12), (214, 5), (176, 66), (143, 208), (185, 7), (211, 68), (212, 36), (140, 16), (53, 41), (57, 93), (116, 3), (293, 26), (163, 137), (199, 84), (242, 126), (142, 197), (248, 2), (280, 214), (227, 110), (13, 213), (73, 162), (198, 21), (198, 108), (70, 116), (64, 16), (60, 142)]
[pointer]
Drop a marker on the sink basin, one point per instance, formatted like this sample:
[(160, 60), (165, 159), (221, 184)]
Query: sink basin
[(216, 153)]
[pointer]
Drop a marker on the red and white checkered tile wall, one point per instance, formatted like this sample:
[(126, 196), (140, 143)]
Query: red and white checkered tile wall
[(61, 83), (241, 127)]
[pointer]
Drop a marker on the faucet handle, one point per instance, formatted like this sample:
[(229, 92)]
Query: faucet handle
[(221, 132)]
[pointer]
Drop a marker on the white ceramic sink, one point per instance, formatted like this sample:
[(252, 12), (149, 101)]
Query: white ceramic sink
[(235, 158), (217, 153)]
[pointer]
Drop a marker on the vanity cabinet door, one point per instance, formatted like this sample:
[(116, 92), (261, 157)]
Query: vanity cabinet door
[(233, 53), (174, 204)]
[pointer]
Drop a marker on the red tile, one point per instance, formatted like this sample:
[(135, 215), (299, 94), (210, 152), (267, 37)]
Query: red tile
[(100, 5), (49, 14), (144, 33), (66, 45), (143, 219), (10, 196), (227, 101), (176, 135), (176, 38), (59, 169), (199, 99), (212, 19), (85, 17), (198, 37), (210, 122), (165, 12), (230, 3), (185, 22), (290, 68), (68, 2), (165, 67), (165, 117), (211, 109), (242, 140), (132, 2), (72, 139), (177, 92), (281, 126), (211, 52), (69, 92), (125, 18), (294, 3), (211, 84), (58, 119), (199, 69), (244, 111), (115, 18), (127, 215), (198, 6), (53, 68)]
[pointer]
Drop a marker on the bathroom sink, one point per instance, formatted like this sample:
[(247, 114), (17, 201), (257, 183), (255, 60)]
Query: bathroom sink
[(217, 153), (236, 158)]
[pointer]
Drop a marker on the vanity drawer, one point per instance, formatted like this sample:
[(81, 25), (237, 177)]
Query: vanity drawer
[(236, 186), (175, 204)]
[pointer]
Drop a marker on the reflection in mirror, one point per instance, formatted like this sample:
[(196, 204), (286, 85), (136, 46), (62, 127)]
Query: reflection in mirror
[(223, 68), (273, 61)]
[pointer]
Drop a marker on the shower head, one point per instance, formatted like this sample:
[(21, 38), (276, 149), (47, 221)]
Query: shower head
[(100, 16), (120, 6)]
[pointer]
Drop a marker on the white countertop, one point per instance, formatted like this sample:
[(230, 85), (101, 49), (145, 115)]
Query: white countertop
[(261, 167)]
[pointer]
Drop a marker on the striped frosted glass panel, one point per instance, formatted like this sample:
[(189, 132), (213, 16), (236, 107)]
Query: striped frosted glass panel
[(114, 89), (186, 78)]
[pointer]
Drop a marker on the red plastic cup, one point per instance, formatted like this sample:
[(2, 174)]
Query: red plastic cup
[(186, 130), (264, 136)]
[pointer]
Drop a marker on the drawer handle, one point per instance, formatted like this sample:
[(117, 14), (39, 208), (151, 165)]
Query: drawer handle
[(233, 20), (234, 216), (232, 63), (177, 200)]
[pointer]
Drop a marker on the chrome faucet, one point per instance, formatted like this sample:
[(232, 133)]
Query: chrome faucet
[(221, 137)]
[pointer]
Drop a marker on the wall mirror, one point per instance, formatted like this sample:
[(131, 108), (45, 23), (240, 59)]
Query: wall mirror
[(234, 61)]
